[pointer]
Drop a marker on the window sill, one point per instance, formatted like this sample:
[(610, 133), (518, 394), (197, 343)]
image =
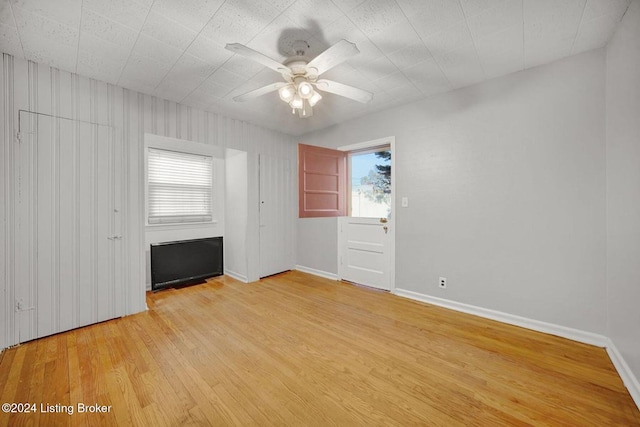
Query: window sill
[(158, 227)]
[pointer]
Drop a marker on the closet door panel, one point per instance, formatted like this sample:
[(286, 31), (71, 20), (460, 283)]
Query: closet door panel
[(71, 272)]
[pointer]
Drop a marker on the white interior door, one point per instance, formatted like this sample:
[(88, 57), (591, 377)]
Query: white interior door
[(276, 215), (364, 251), (69, 250)]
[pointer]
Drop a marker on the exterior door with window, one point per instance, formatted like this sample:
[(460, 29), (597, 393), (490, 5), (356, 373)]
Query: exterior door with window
[(355, 185), (365, 236)]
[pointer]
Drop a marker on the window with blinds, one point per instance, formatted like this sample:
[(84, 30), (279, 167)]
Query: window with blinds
[(179, 187)]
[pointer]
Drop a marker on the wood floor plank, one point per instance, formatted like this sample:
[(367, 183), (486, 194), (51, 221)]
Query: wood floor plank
[(295, 349)]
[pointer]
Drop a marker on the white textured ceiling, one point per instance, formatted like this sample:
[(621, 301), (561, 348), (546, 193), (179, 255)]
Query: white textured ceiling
[(409, 48)]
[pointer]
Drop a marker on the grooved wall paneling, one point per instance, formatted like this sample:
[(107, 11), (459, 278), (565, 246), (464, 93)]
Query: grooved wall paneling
[(38, 88)]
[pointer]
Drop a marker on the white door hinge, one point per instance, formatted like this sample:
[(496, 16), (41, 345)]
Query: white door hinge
[(19, 135), (20, 306)]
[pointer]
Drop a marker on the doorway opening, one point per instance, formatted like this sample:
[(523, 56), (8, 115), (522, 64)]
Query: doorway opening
[(366, 236)]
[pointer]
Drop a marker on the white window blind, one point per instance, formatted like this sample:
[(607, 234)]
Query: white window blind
[(179, 187)]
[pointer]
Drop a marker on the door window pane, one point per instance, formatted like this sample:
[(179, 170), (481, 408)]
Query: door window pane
[(370, 184)]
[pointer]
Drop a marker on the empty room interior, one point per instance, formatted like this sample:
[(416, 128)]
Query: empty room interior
[(320, 212)]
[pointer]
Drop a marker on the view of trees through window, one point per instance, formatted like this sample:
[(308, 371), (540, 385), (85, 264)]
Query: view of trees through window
[(371, 184)]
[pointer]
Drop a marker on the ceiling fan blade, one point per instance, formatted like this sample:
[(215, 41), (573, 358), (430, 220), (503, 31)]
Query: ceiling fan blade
[(344, 90), (249, 53), (259, 92), (336, 54)]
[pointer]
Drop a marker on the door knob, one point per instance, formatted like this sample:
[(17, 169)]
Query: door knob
[(383, 220)]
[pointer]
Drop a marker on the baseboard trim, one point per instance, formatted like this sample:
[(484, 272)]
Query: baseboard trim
[(237, 276), (535, 325), (316, 272), (630, 381)]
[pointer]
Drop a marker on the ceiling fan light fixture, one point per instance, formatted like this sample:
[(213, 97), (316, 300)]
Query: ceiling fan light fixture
[(315, 98), (305, 90), (297, 102), (287, 93)]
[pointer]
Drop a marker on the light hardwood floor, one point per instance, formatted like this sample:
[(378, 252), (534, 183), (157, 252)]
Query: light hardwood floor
[(294, 349)]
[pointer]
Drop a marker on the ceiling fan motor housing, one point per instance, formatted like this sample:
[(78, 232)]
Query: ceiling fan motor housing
[(299, 48), (298, 67)]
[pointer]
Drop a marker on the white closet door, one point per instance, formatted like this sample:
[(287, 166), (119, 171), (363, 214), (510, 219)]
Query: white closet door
[(276, 215), (70, 246)]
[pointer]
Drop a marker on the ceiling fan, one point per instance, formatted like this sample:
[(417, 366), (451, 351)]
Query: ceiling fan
[(302, 88)]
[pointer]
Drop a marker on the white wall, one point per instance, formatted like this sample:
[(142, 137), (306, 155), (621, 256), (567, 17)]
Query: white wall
[(506, 188), (236, 207), (6, 208), (317, 244), (623, 188), (39, 88)]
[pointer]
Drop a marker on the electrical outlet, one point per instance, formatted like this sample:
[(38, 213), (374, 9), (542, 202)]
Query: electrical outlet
[(442, 282)]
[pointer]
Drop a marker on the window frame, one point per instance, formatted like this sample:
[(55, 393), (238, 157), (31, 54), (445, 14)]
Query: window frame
[(187, 147)]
